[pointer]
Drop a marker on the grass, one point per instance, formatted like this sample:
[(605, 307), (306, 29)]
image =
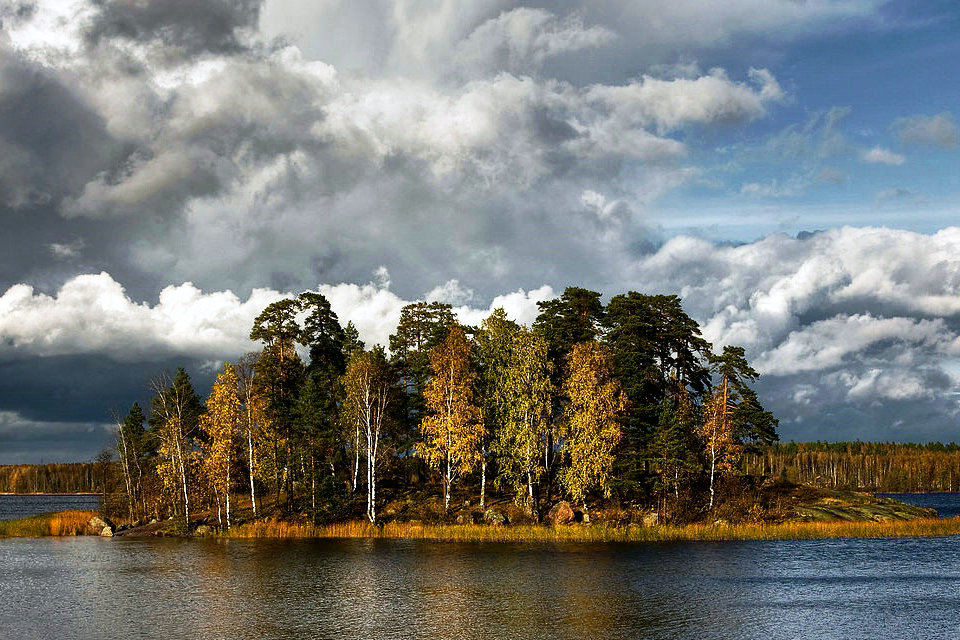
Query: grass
[(74, 523), (64, 523), (603, 533)]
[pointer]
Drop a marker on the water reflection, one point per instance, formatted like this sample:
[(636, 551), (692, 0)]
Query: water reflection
[(88, 587)]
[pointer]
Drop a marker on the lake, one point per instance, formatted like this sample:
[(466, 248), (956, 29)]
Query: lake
[(14, 507), (384, 589), (168, 588)]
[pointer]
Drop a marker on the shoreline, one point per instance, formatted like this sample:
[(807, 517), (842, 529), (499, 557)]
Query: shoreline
[(75, 523), (47, 493)]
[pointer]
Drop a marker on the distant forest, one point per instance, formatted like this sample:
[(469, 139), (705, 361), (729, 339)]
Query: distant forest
[(867, 466)]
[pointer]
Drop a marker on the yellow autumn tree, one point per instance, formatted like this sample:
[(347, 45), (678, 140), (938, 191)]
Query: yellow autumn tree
[(590, 429), (717, 432), (222, 423), (452, 429), (256, 422)]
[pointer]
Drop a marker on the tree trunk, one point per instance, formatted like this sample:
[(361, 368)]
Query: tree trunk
[(253, 495), (483, 482), (446, 484), (228, 492)]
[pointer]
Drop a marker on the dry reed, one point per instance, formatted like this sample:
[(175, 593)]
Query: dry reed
[(603, 533), (64, 523)]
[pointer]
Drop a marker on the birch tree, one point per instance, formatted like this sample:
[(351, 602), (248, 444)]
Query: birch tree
[(222, 422), (452, 429), (590, 428), (492, 345), (526, 396), (176, 410), (369, 387)]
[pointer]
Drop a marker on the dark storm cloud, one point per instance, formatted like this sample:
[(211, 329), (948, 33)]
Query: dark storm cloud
[(60, 409), (187, 27), (52, 141)]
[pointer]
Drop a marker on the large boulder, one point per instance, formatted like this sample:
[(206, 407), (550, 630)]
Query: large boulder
[(561, 513), (98, 526), (203, 530)]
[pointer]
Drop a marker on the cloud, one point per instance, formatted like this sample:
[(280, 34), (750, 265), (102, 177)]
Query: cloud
[(936, 131), (879, 155), (30, 441), (92, 314), (187, 27), (712, 98), (521, 40), (66, 250), (793, 186)]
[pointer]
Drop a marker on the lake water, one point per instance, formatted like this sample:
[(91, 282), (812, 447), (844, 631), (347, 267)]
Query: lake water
[(385, 589), (946, 504), (14, 507), (162, 588)]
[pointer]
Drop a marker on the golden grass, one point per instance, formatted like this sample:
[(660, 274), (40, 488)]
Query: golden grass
[(64, 523), (603, 533)]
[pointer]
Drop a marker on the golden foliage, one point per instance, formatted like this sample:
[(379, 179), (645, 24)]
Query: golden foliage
[(452, 430), (590, 429)]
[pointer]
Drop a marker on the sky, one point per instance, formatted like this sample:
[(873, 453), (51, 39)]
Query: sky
[(169, 168)]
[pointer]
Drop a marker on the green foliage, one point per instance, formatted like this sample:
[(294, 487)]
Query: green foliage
[(422, 326), (574, 317), (526, 399)]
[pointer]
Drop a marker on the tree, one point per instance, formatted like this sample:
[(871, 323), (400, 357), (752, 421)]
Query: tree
[(277, 327), (222, 422), (733, 416), (492, 346), (422, 326), (369, 387), (657, 352), (574, 317), (452, 429), (132, 448), (591, 428), (255, 419), (717, 432), (673, 449), (351, 340), (321, 392), (526, 396), (175, 413), (279, 372)]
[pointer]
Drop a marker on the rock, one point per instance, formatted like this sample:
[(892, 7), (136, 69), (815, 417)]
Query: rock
[(153, 521), (107, 532), (96, 526), (561, 513), (492, 516), (203, 530), (651, 519), (586, 518), (465, 518)]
